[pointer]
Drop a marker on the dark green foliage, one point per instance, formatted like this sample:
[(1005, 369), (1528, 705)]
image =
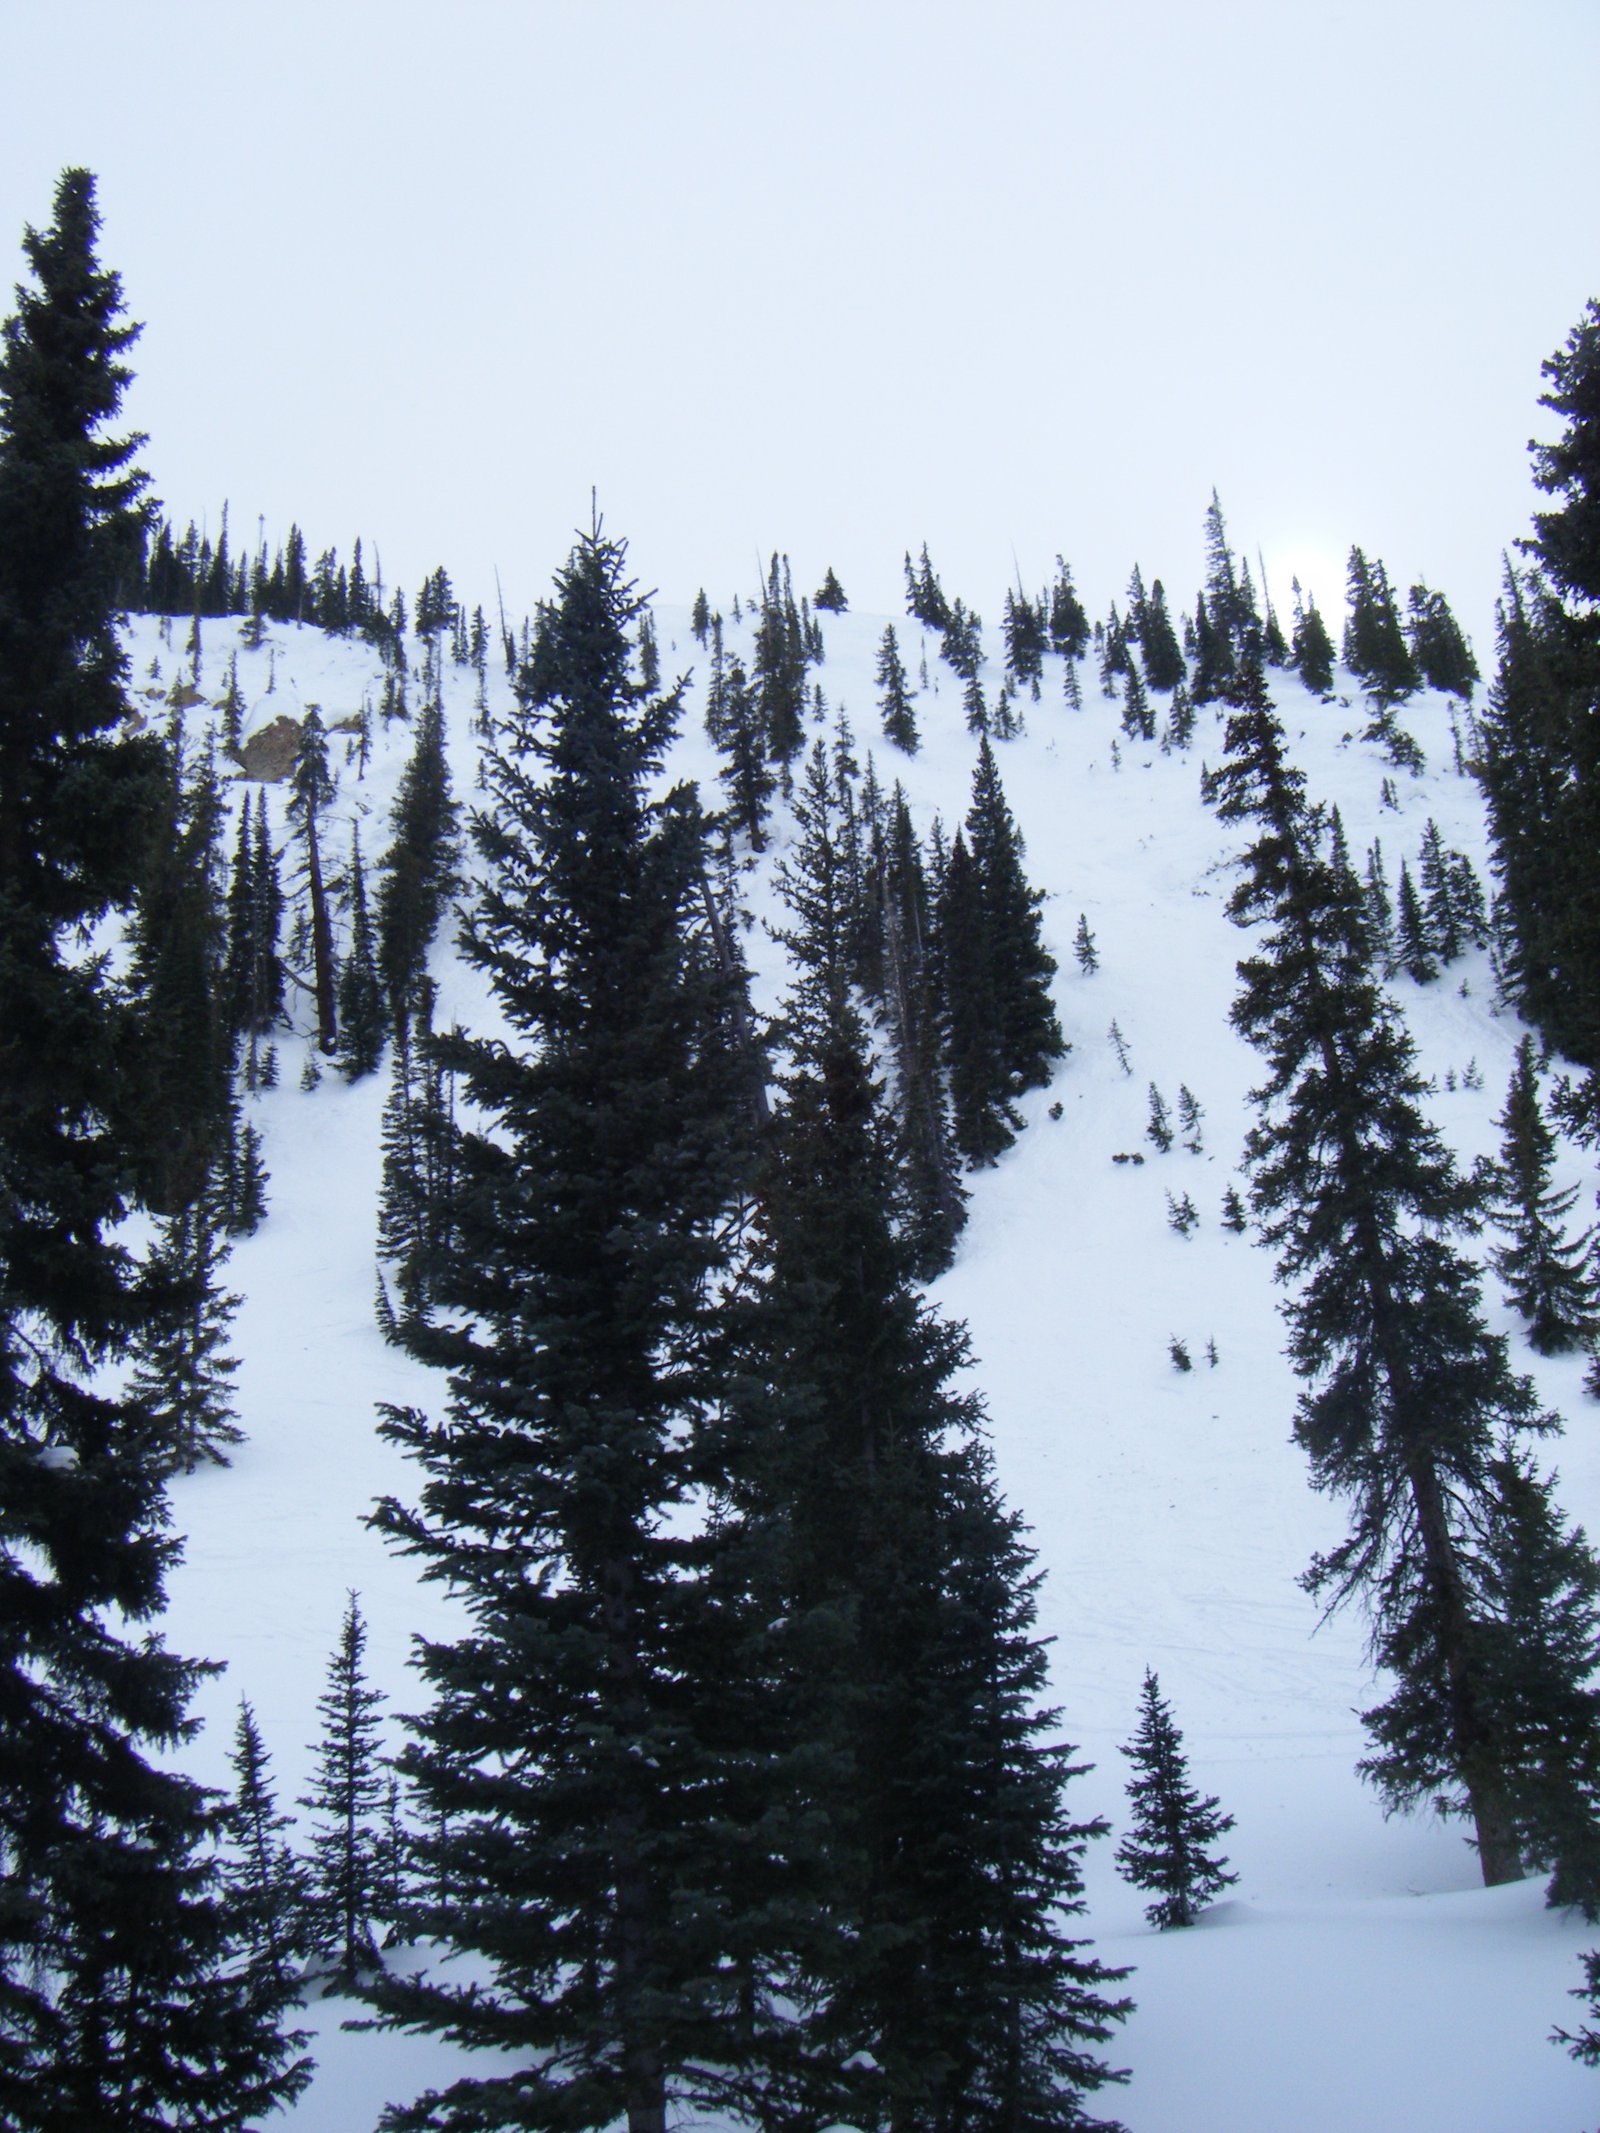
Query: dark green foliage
[(1539, 758), (1375, 648), (983, 1119), (1167, 1851), (924, 597), (1159, 1128), (1138, 720), (415, 1206), (311, 787), (182, 1374), (1183, 1217), (182, 1064), (1566, 541), (700, 617), (1002, 1032), (932, 1203), (1233, 1215), (1158, 642), (363, 1024), (1069, 625), (1190, 1115), (830, 595), (345, 1803), (1311, 648), (578, 1767), (267, 1885), (1413, 946), (418, 873), (746, 775), (1414, 1407), (779, 666), (1441, 654), (1182, 1360), (120, 2000), (436, 605), (930, 1974), (1533, 1584), (894, 701), (1027, 639), (1550, 1278), (1083, 948)]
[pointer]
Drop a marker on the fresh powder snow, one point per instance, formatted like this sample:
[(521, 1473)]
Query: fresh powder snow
[(1359, 1974)]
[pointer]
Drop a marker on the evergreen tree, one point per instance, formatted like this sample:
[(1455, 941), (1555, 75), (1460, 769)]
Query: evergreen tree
[(1167, 1849), (266, 1881), (1159, 1128), (984, 1121), (1083, 948), (121, 2005), (1069, 625), (1414, 1411), (1550, 1279), (1026, 639), (311, 787), (1440, 653), (931, 1975), (894, 701), (779, 668), (418, 872), (1413, 949), (1029, 1035), (362, 1021), (830, 596), (746, 776), (1311, 650), (182, 1373), (1443, 933), (182, 1062), (1375, 649), (346, 1796), (576, 1767), (1158, 641), (934, 1205), (1190, 1115)]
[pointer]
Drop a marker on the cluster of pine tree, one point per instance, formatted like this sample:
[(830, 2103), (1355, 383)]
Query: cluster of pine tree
[(737, 1788)]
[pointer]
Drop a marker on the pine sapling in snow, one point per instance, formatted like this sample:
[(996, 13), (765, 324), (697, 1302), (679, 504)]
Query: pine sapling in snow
[(1166, 1851)]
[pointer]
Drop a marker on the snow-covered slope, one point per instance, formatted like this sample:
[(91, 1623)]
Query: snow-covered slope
[(1358, 1975)]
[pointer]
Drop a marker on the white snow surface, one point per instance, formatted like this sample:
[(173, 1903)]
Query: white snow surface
[(1358, 1975)]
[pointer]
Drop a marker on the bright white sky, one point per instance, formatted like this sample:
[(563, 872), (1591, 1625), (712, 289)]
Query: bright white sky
[(836, 279)]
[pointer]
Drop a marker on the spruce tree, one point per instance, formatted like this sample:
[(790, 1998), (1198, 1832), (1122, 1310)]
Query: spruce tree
[(1028, 1034), (894, 701), (266, 1881), (121, 2003), (311, 787), (363, 1024), (1549, 1277), (1413, 1413), (575, 1764), (345, 1800), (182, 1063), (182, 1373), (418, 870), (746, 776), (1311, 650), (931, 1974), (1166, 1850)]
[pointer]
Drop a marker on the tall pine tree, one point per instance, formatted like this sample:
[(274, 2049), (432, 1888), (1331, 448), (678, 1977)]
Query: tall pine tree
[(121, 2005), (574, 1760), (1413, 1413)]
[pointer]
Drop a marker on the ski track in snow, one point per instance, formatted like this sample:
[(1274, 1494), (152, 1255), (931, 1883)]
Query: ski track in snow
[(1357, 1975)]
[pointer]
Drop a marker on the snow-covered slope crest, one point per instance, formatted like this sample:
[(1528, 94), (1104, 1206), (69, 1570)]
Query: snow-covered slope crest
[(1357, 1975)]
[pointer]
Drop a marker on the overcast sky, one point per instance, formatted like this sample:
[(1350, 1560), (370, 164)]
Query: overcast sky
[(1013, 280)]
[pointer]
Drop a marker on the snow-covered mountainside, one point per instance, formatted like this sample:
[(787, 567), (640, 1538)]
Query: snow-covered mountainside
[(1357, 1975)]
